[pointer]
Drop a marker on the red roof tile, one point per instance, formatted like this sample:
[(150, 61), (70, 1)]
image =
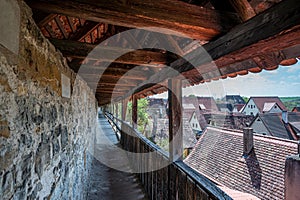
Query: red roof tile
[(260, 101), (218, 155)]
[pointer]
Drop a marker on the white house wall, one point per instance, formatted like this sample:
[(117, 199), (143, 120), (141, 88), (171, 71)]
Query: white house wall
[(275, 109), (195, 123), (250, 108)]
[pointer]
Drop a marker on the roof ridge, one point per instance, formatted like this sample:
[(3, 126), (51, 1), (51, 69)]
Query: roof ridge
[(272, 139)]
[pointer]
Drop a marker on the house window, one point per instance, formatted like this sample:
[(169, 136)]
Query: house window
[(251, 113), (275, 107), (196, 125)]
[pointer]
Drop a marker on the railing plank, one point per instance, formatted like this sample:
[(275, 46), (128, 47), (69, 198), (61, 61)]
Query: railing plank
[(176, 181)]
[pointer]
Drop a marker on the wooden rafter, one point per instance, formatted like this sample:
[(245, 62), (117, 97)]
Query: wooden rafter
[(183, 18), (46, 20), (61, 27), (85, 30), (104, 53)]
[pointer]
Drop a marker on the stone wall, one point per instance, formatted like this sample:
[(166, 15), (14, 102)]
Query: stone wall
[(44, 137)]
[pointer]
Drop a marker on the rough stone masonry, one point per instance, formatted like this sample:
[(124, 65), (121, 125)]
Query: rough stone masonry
[(44, 137)]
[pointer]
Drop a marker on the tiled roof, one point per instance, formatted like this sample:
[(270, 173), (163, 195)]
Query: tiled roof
[(275, 125), (293, 117), (230, 121), (236, 195), (239, 106), (296, 109), (218, 155), (294, 122), (208, 102), (201, 120), (277, 128), (260, 101), (188, 106), (225, 107), (234, 99), (189, 138)]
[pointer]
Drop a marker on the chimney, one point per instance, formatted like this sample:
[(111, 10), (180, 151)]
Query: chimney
[(292, 177), (247, 140), (285, 116)]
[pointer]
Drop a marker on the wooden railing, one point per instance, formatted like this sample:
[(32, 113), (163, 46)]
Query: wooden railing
[(175, 180)]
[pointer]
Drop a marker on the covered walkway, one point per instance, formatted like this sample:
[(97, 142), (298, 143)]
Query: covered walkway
[(105, 182)]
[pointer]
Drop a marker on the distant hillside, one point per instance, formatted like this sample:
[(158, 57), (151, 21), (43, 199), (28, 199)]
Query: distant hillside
[(290, 102)]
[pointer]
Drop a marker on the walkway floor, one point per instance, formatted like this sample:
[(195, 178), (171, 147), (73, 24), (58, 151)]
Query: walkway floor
[(106, 183)]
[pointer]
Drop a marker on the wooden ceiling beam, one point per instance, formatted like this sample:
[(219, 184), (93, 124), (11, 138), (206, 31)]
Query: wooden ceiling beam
[(114, 67), (243, 8), (182, 18), (113, 76), (281, 17), (46, 20), (114, 81), (81, 50), (97, 85)]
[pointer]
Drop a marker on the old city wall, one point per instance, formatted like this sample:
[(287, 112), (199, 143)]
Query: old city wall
[(47, 114)]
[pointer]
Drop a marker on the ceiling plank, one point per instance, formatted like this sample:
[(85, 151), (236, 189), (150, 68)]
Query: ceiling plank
[(182, 18), (83, 31), (61, 27), (81, 50)]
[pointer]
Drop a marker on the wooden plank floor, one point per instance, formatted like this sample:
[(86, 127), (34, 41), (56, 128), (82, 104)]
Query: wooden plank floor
[(106, 183)]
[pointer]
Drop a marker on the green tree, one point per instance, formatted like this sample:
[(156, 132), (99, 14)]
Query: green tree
[(143, 117), (245, 99)]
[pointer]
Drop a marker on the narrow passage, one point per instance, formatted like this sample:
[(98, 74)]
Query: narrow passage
[(106, 183)]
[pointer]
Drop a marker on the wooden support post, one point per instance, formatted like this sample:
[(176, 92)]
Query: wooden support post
[(117, 110), (175, 119), (134, 111), (124, 109)]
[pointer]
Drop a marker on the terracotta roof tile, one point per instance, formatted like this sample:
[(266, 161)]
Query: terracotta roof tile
[(260, 101), (218, 155)]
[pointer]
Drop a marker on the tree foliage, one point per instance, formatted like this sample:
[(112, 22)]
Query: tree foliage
[(143, 117)]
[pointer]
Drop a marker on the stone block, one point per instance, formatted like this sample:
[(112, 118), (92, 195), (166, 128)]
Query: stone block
[(26, 140), (7, 184), (4, 128), (55, 146), (64, 137), (42, 158), (26, 166)]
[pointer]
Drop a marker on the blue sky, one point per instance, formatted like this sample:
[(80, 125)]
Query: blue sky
[(284, 81)]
